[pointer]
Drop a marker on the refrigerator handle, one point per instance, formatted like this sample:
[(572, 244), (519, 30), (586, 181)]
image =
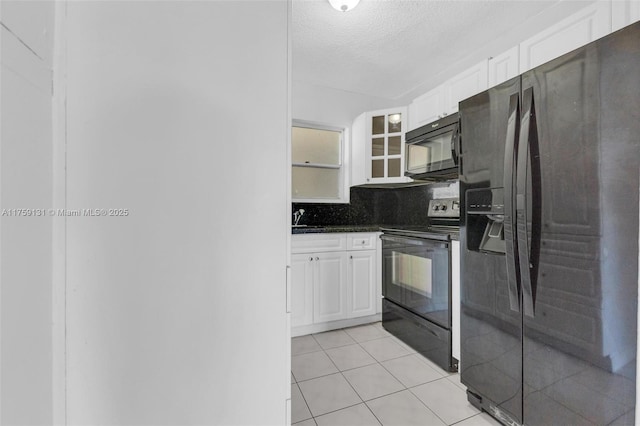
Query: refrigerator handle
[(528, 239), (511, 256)]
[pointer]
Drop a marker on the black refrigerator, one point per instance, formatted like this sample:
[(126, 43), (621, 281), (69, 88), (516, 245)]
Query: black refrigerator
[(549, 239)]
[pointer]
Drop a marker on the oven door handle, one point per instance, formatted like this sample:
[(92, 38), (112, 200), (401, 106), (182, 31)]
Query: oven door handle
[(415, 241)]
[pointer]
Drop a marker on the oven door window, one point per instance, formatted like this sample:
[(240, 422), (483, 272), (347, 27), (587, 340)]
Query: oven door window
[(416, 276), (412, 272)]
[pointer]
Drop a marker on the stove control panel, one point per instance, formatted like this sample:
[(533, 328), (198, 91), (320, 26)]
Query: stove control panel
[(444, 207)]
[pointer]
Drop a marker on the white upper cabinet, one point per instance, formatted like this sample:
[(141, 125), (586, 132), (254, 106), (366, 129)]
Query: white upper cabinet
[(624, 12), (443, 100), (426, 108), (378, 147), (504, 66), (468, 83), (577, 30), (358, 159)]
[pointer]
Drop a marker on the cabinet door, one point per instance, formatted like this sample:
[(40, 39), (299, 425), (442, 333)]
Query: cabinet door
[(427, 108), (359, 157), (301, 289), (330, 286), (385, 145), (504, 67), (624, 12), (577, 30), (377, 147), (362, 283), (464, 85)]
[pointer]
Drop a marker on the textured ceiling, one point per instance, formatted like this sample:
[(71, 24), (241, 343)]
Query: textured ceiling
[(398, 49)]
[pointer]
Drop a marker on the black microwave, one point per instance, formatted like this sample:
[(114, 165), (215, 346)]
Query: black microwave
[(432, 150)]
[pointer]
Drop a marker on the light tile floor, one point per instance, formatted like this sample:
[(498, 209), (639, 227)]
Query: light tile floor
[(365, 376)]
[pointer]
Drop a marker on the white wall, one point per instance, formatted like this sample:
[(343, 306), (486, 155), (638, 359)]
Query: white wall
[(332, 106), (177, 111), (25, 242)]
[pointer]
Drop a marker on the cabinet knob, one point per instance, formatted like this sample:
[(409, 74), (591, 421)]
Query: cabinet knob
[(351, 257), (317, 258), (311, 259), (363, 242)]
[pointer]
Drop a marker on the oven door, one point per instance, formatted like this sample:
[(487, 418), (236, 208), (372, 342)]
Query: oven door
[(416, 275)]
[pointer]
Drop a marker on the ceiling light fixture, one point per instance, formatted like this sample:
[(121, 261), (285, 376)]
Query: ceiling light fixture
[(344, 5)]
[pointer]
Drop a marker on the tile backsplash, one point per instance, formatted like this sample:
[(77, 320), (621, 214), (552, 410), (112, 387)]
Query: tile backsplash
[(378, 206)]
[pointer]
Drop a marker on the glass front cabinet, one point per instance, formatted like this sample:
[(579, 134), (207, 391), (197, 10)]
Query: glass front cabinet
[(378, 147)]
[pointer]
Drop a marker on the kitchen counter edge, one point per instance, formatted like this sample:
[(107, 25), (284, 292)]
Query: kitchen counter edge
[(336, 228)]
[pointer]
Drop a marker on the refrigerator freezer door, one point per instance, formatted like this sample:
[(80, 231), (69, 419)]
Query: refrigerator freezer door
[(491, 341)]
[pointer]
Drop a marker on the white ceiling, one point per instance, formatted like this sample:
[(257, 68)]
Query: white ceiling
[(398, 49)]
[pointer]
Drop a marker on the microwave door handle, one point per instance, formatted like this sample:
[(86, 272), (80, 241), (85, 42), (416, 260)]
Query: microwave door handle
[(528, 162), (511, 257), (455, 143)]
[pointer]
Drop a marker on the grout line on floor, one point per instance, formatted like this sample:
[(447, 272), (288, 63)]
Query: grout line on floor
[(318, 377), (306, 403), (339, 409), (423, 403), (466, 418), (362, 401)]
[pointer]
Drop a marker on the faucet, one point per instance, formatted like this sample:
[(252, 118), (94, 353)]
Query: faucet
[(296, 216)]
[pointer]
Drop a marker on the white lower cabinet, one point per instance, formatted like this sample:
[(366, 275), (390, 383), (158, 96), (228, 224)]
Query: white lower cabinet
[(302, 289), (330, 286), (361, 298), (334, 278)]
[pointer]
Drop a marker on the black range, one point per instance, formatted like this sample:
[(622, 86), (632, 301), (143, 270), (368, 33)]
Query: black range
[(416, 282)]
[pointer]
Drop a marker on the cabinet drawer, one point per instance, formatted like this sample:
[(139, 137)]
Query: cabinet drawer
[(362, 241), (313, 243)]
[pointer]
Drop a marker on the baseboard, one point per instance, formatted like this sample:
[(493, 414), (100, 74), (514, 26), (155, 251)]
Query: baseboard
[(333, 325)]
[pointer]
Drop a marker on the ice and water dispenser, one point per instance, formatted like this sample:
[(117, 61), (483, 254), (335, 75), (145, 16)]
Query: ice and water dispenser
[(485, 220)]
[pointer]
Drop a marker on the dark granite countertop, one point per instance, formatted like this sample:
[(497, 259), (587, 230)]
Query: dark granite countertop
[(319, 229), (316, 229)]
